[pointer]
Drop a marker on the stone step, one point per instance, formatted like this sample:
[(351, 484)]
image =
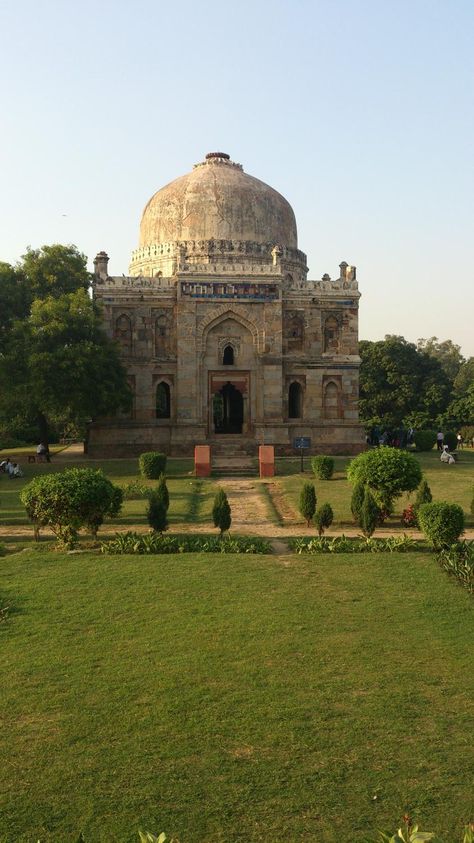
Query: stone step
[(233, 465)]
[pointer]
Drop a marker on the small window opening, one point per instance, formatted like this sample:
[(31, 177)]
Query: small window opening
[(294, 400), (163, 404), (228, 358)]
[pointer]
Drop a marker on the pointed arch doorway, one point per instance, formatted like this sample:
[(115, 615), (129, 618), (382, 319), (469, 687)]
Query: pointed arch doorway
[(228, 404), (228, 409)]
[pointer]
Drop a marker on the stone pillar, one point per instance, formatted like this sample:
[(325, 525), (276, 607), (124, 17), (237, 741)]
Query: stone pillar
[(202, 460), (266, 460)]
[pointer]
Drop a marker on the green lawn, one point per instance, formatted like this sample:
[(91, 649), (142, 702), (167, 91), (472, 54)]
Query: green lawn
[(453, 483), (233, 698), (190, 499)]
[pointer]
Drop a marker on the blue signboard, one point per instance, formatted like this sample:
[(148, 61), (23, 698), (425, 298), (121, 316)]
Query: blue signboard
[(302, 442)]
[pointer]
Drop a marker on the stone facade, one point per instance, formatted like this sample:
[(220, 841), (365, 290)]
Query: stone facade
[(223, 337)]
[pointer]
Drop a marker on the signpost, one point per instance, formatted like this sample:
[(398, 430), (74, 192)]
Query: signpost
[(299, 444)]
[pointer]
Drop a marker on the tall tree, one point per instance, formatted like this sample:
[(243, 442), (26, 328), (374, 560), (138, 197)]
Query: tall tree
[(54, 270), (15, 299), (57, 361), (446, 352), (400, 384)]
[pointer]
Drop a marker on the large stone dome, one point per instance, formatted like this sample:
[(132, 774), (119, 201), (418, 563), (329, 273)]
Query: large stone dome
[(218, 201)]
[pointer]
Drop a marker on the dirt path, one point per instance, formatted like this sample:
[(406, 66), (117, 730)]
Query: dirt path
[(250, 514)]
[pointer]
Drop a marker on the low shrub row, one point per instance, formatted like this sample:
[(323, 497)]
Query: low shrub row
[(158, 544), (344, 544)]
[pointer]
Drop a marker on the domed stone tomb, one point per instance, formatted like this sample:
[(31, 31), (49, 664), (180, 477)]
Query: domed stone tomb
[(223, 337)]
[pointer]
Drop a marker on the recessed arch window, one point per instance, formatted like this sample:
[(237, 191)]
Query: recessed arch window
[(331, 334), (163, 401), (295, 401), (123, 332), (228, 356), (331, 401)]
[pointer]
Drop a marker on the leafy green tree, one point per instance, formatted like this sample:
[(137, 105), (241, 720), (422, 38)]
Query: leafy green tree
[(369, 513), (156, 513), (55, 270), (307, 503), (59, 362), (323, 518), (221, 512), (400, 385), (15, 300), (447, 353), (388, 472), (461, 410)]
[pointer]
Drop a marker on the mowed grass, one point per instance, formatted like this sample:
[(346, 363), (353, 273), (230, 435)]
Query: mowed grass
[(233, 698), (453, 483), (190, 499)]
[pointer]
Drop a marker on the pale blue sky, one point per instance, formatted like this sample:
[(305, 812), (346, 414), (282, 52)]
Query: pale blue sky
[(360, 113)]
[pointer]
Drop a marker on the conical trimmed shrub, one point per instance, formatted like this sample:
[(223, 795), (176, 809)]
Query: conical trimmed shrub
[(307, 504), (156, 513), (323, 518), (221, 512), (162, 491), (369, 513)]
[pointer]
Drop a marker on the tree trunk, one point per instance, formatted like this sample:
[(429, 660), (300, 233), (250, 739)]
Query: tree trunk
[(43, 428)]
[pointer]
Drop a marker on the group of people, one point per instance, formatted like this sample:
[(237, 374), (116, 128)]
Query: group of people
[(396, 438), (11, 469)]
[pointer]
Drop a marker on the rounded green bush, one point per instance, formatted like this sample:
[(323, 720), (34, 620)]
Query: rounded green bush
[(152, 464), (68, 500), (425, 440), (387, 471), (441, 522), (323, 467)]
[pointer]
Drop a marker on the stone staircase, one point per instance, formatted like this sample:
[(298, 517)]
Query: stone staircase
[(230, 457)]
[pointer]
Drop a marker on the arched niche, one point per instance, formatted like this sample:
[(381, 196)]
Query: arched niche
[(123, 332), (228, 356), (332, 331), (295, 400), (163, 400), (331, 401)]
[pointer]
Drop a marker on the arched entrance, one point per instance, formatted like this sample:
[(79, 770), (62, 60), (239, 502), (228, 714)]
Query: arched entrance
[(228, 409)]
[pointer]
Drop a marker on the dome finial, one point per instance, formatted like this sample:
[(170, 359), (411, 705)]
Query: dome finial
[(218, 155)]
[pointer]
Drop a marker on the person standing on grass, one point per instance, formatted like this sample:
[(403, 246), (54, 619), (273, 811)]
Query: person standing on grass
[(439, 440), (460, 442)]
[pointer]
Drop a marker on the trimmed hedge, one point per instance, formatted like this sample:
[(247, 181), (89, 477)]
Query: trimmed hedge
[(451, 440), (152, 464), (425, 440), (323, 467), (441, 522)]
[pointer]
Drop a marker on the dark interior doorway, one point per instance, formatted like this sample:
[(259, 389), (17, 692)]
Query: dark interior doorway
[(228, 410)]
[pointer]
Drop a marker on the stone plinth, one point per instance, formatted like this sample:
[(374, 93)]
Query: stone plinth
[(266, 460), (202, 460)]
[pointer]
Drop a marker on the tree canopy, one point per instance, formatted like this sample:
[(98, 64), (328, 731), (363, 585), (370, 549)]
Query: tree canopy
[(55, 358), (401, 385)]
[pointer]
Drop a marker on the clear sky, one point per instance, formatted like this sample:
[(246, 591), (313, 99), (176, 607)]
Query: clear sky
[(361, 112)]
